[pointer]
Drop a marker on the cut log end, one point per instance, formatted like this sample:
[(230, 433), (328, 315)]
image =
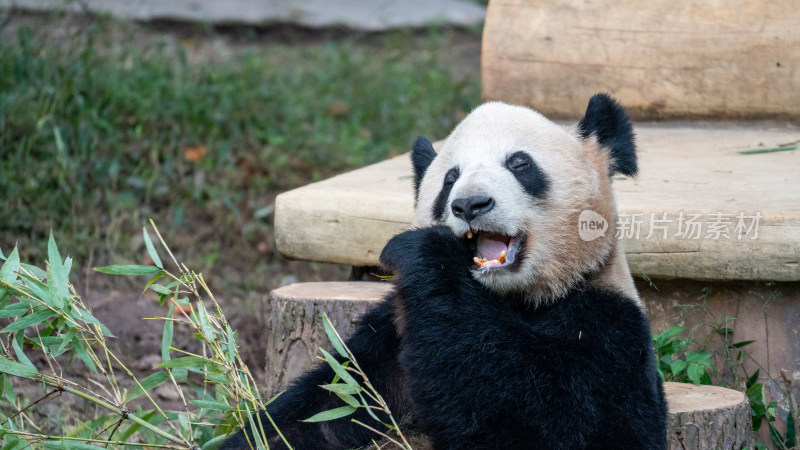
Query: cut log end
[(294, 317), (707, 417)]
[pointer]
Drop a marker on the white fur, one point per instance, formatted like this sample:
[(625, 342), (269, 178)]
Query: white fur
[(555, 256)]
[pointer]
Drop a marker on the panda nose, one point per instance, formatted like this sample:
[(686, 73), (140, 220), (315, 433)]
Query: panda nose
[(469, 208)]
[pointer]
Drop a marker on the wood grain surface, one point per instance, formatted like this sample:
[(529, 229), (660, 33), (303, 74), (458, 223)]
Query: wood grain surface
[(694, 169), (662, 59)]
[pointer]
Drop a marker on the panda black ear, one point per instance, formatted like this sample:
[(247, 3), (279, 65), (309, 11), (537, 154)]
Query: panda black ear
[(422, 154), (609, 123)]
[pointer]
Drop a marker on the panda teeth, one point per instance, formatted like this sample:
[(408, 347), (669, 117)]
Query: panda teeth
[(470, 233)]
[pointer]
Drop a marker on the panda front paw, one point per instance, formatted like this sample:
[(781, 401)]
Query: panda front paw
[(424, 250)]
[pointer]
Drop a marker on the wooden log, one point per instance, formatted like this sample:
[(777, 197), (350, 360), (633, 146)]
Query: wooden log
[(700, 417), (663, 60), (684, 168), (295, 332), (707, 417)]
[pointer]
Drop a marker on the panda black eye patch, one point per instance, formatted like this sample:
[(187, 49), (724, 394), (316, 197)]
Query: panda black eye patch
[(528, 174), (441, 201)]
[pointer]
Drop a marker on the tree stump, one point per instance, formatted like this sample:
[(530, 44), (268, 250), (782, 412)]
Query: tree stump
[(699, 417), (707, 417), (294, 317)]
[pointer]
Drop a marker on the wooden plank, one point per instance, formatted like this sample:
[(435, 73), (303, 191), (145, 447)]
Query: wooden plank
[(765, 313), (661, 59), (346, 219), (689, 168)]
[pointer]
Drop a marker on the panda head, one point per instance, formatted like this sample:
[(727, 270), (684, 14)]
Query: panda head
[(514, 184)]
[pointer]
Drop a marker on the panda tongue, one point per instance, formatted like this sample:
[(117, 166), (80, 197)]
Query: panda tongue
[(490, 245)]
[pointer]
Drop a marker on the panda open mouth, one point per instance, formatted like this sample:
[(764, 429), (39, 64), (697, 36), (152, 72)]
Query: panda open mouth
[(493, 250)]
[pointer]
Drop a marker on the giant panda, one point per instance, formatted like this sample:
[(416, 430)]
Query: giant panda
[(506, 328)]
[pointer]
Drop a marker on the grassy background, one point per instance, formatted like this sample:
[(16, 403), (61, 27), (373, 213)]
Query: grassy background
[(105, 124)]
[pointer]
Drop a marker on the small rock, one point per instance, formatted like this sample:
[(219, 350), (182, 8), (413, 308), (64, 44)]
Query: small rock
[(167, 392), (287, 280), (148, 362)]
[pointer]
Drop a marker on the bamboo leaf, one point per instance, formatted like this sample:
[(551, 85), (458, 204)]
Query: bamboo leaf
[(185, 362), (33, 270), (67, 267), (260, 441), (12, 442), (16, 343), (369, 410), (57, 297), (128, 270), (166, 336), (337, 344), (153, 280), (349, 399), (66, 444), (216, 377), (80, 350), (340, 371), (17, 369), (9, 269), (86, 316), (341, 388), (214, 406), (31, 319), (57, 278), (160, 289), (151, 250), (62, 347), (332, 414), (151, 382), (756, 151), (205, 323), (231, 344), (37, 288), (14, 310)]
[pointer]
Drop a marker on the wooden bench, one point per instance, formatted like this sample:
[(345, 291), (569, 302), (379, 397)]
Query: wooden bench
[(662, 62)]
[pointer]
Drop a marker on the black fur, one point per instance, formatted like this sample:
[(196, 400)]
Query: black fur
[(525, 170), (609, 123), (440, 204), (422, 155), (488, 371)]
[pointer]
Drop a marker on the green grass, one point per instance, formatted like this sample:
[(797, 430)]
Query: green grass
[(94, 129)]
